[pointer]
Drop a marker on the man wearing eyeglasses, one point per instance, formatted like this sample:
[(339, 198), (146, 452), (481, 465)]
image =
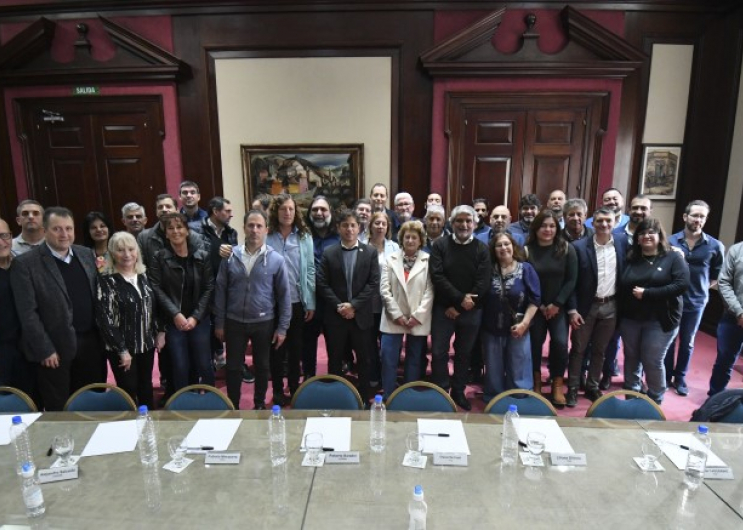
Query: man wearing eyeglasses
[(704, 255), (29, 214)]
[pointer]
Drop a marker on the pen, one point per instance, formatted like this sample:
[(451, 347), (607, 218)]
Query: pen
[(439, 434), (50, 451), (201, 448), (522, 444), (686, 447), (328, 449)]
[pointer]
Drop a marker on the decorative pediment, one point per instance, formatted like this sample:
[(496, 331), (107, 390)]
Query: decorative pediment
[(27, 59), (591, 51)]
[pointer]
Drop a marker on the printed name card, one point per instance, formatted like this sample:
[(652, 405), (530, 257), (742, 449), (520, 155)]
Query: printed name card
[(719, 473), (342, 457), (450, 459), (57, 474), (569, 459), (531, 460), (222, 457)]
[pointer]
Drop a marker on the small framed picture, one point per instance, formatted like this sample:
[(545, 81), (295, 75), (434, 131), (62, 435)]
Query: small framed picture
[(660, 171)]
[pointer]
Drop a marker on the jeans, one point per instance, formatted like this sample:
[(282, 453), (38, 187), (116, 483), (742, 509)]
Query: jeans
[(465, 329), (645, 346), (390, 354), (236, 337), (507, 363), (687, 331), (190, 348), (558, 351), (729, 345), (597, 329)]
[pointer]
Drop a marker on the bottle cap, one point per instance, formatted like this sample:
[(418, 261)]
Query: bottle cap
[(27, 469), (275, 409), (142, 409), (512, 408), (418, 493), (16, 420), (377, 399), (703, 429)]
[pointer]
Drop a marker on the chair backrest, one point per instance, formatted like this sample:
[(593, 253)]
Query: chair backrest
[(199, 397), (100, 397), (421, 396), (734, 416), (529, 403), (634, 406), (14, 400), (327, 392)]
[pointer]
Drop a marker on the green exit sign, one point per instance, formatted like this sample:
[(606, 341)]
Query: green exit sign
[(86, 91)]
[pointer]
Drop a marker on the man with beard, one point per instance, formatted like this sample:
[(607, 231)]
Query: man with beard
[(704, 255), (500, 221), (556, 202), (404, 208), (529, 207), (324, 235), (363, 209), (614, 200), (574, 214), (483, 232), (134, 218), (29, 214), (640, 208)]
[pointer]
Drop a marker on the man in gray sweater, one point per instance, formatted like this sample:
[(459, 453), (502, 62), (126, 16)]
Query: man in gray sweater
[(252, 302)]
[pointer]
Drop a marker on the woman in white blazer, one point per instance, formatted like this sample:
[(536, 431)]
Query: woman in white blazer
[(407, 293)]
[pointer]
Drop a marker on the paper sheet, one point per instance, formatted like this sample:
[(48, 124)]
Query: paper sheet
[(111, 438), (676, 454), (455, 443), (336, 432), (555, 441), (7, 421), (213, 433)]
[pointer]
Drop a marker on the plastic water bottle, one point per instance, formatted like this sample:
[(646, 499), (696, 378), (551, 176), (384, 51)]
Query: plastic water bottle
[(418, 509), (696, 462), (377, 426), (22, 443), (277, 436), (147, 437), (33, 497), (509, 452)]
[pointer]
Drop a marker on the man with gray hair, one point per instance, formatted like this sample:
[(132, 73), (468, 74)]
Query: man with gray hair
[(574, 214), (460, 272), (404, 208), (133, 217)]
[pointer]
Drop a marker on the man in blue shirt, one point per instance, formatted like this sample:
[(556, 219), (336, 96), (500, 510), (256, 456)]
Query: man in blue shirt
[(529, 207), (483, 232), (704, 255), (614, 200)]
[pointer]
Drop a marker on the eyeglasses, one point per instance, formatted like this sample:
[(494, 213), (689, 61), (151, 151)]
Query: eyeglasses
[(6, 236)]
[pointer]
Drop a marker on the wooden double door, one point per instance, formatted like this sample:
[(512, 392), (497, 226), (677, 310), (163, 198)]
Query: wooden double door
[(93, 153), (506, 145)]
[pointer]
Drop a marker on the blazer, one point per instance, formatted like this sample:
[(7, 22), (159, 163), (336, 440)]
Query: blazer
[(167, 279), (331, 283), (585, 289), (43, 304), (413, 297)]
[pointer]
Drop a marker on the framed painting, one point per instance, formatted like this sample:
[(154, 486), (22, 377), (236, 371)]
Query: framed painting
[(304, 171), (660, 170)]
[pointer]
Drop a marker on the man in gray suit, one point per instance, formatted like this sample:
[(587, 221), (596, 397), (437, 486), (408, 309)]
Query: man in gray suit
[(53, 286)]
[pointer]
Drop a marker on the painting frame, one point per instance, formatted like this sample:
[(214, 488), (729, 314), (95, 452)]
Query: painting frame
[(304, 171), (666, 160)]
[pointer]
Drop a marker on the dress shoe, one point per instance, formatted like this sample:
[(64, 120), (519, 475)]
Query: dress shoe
[(571, 399), (461, 400), (593, 394), (605, 382), (681, 388)]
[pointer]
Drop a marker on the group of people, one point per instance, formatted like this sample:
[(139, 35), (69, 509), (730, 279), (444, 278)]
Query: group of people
[(375, 282)]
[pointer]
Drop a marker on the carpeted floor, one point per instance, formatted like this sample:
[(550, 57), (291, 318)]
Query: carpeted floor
[(674, 406)]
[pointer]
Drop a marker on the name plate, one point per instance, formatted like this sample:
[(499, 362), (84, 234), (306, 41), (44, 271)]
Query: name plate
[(719, 473), (222, 457), (568, 459), (57, 474), (342, 457), (450, 459)]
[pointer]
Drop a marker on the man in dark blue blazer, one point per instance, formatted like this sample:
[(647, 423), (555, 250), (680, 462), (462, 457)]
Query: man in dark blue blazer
[(593, 305)]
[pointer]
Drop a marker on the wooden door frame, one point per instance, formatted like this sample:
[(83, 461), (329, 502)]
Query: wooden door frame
[(457, 105), (24, 109)]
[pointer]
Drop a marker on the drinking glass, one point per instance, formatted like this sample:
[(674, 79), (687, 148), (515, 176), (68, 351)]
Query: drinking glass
[(63, 445), (177, 450), (414, 443), (651, 453), (313, 445), (535, 442)]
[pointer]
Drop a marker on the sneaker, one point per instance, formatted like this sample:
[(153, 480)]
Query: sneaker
[(681, 388), (248, 376)]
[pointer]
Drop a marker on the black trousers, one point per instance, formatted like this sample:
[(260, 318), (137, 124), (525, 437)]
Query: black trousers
[(338, 333), (137, 381), (291, 352), (236, 337)]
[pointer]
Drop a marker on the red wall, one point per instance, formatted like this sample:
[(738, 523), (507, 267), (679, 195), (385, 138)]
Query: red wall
[(507, 40)]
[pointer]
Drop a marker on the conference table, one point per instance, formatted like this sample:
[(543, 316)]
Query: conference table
[(117, 491)]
